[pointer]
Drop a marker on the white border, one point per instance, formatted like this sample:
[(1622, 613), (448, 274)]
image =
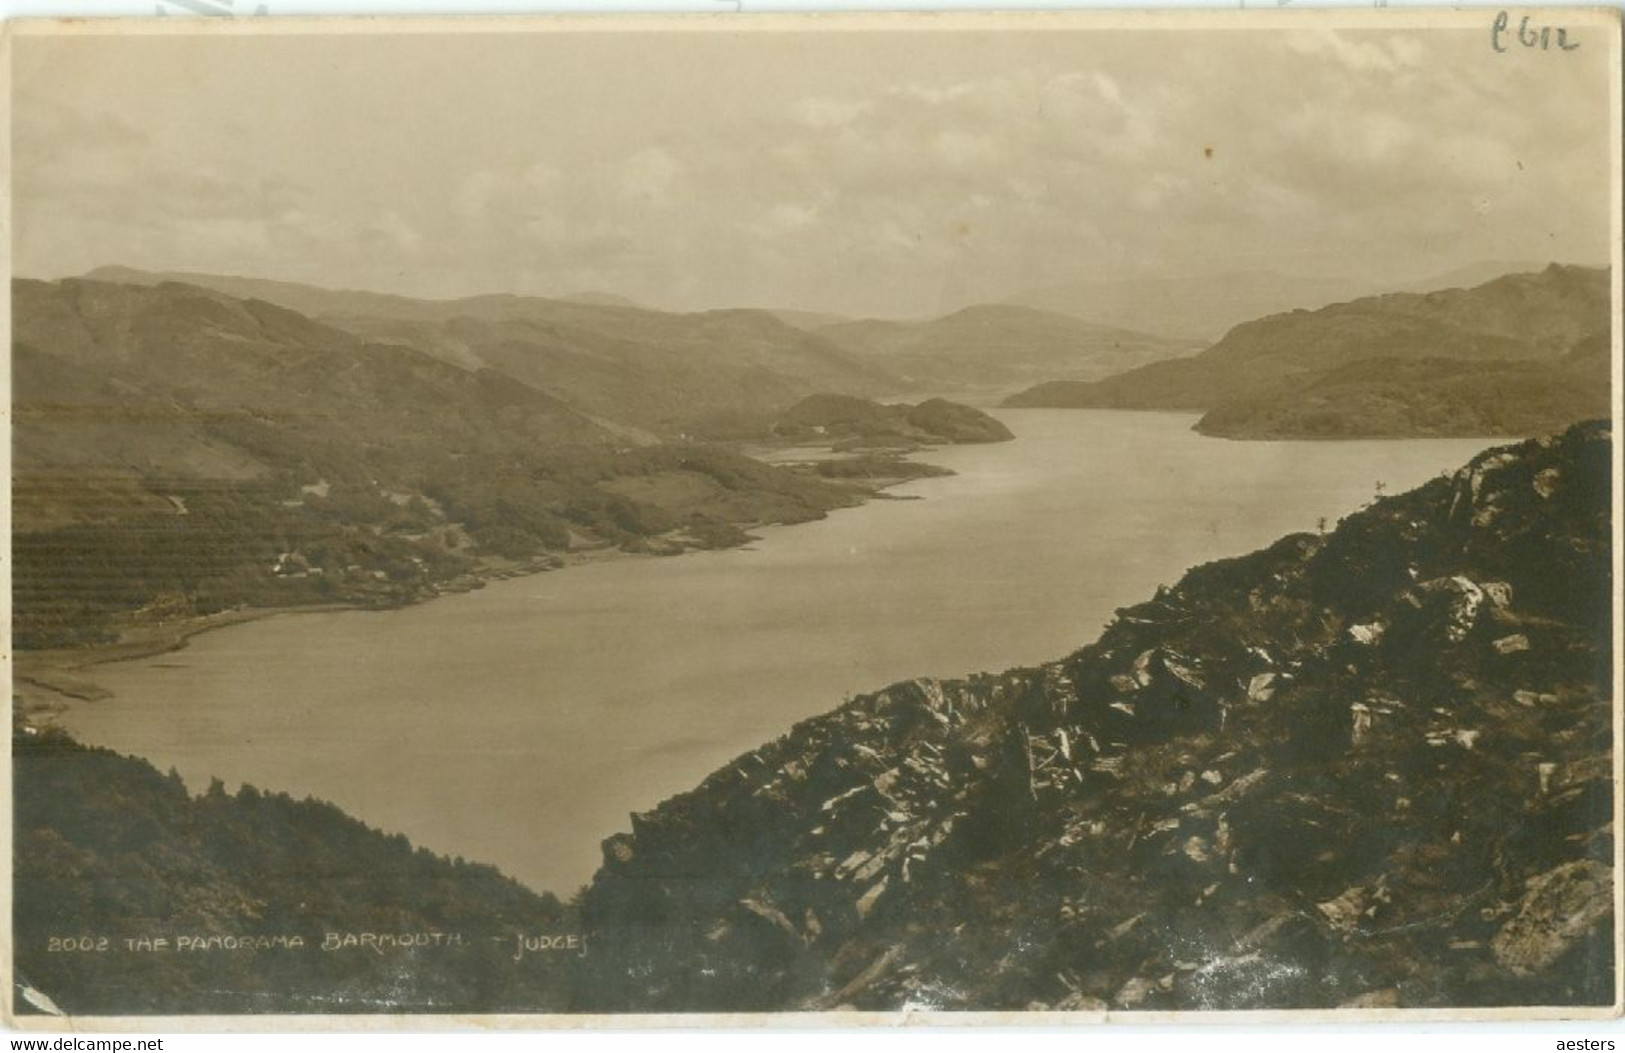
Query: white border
[(605, 19)]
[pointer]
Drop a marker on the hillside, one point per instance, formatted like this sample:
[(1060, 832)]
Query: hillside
[(107, 850), (179, 453), (1526, 318), (846, 422), (1200, 308), (602, 298), (1205, 307), (652, 371), (206, 353), (1420, 397), (808, 320), (994, 346), (1369, 768)]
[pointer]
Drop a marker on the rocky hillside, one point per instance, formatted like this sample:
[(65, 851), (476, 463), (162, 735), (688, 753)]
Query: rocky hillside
[(1516, 330), (1365, 768)]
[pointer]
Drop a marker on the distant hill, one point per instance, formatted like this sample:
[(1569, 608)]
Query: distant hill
[(603, 299), (852, 423), (1192, 308), (207, 353), (1465, 276), (992, 346), (310, 300), (1204, 307), (1419, 397), (179, 452), (657, 372), (651, 370), (1505, 335), (808, 320)]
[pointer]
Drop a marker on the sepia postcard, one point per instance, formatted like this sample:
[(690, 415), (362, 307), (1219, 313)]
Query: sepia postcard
[(833, 520)]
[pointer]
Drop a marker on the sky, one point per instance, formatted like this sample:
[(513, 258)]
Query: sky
[(838, 168)]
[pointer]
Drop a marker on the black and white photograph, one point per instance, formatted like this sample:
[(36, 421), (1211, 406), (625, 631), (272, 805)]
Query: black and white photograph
[(1013, 517)]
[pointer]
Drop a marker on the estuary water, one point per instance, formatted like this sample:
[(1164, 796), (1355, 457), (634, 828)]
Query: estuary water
[(520, 724)]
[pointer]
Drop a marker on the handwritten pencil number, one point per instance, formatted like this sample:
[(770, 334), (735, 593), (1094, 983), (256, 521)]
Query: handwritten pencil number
[(1537, 38)]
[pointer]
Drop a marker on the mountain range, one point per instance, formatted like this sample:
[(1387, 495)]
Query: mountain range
[(180, 452), (1204, 307), (998, 347), (1520, 354), (653, 371), (665, 371)]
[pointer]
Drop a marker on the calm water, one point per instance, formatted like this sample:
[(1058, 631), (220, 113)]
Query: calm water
[(518, 725)]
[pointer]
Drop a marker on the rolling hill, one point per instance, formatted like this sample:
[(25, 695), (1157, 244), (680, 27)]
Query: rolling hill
[(654, 371), (1420, 397), (179, 452), (994, 346), (1204, 307), (1528, 321)]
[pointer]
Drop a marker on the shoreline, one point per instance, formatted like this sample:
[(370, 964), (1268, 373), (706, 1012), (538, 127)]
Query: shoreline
[(1067, 599), (47, 683)]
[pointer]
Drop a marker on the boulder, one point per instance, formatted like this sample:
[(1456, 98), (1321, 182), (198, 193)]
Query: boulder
[(1367, 635), (1559, 909), (1134, 992), (866, 902), (1381, 998), (773, 916), (1081, 1003), (1343, 912), (1461, 601), (1360, 715)]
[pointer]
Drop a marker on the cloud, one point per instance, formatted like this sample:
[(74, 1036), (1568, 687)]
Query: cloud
[(964, 150), (514, 192), (830, 113), (1387, 55), (393, 229), (648, 175), (853, 174), (787, 217)]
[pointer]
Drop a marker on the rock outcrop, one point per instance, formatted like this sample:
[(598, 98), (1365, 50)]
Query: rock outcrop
[(1366, 768)]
